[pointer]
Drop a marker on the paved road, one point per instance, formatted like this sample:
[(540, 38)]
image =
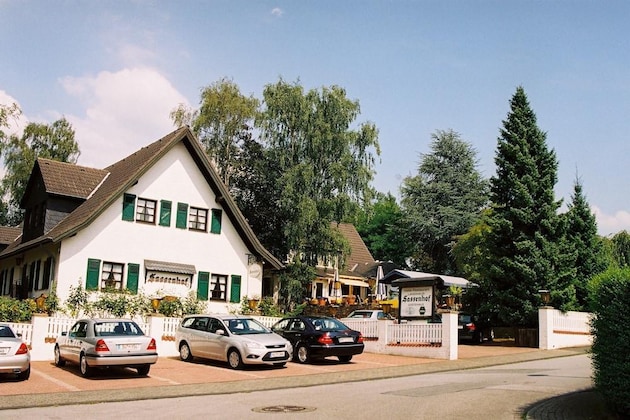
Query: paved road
[(493, 392)]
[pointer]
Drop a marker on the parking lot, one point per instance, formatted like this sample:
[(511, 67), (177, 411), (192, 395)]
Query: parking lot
[(47, 378)]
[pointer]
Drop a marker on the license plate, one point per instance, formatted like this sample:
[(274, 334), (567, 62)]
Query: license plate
[(4, 350), (128, 346), (346, 340), (276, 354)]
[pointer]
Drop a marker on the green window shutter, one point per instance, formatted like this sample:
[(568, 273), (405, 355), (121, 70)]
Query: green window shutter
[(165, 213), (203, 285), (235, 289), (215, 227), (182, 215), (129, 207), (133, 272), (93, 271)]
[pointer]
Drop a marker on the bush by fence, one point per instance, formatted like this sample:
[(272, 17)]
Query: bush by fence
[(610, 295)]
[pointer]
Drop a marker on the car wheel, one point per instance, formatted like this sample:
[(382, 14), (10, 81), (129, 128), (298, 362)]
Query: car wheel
[(344, 359), (86, 370), (234, 359), (59, 362), (185, 353), (478, 338), (24, 375), (491, 335), (302, 354), (143, 370)]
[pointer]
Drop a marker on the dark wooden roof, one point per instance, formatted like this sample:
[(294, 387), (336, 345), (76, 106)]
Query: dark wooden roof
[(120, 176), (68, 179)]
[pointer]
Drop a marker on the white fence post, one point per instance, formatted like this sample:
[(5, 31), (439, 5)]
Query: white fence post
[(545, 327), (449, 334)]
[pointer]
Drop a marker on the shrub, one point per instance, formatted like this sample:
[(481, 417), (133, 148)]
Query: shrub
[(192, 304), (610, 299), (170, 307), (15, 310)]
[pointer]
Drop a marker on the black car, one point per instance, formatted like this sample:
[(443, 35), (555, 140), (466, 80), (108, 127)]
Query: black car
[(473, 328), (316, 337)]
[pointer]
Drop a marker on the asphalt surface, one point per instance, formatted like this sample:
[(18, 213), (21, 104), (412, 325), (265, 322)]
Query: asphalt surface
[(585, 404)]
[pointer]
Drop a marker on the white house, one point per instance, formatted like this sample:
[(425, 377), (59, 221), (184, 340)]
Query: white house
[(159, 221)]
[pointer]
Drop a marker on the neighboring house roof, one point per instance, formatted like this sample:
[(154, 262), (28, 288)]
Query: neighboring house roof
[(9, 234), (119, 177), (360, 259)]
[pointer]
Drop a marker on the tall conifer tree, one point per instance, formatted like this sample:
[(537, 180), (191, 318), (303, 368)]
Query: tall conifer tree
[(524, 225)]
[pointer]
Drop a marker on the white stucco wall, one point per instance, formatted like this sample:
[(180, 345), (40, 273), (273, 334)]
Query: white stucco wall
[(109, 238)]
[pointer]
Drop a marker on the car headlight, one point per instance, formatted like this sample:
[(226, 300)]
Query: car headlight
[(254, 345)]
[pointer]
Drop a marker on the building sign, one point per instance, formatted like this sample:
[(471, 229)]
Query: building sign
[(169, 278), (416, 302)]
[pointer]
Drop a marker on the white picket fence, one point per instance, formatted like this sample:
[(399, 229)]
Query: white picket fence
[(410, 339), (563, 329)]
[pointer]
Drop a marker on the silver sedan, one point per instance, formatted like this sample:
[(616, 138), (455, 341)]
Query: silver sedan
[(15, 357), (102, 343)]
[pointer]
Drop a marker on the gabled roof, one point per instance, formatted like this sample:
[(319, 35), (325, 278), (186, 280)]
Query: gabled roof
[(122, 175), (360, 259)]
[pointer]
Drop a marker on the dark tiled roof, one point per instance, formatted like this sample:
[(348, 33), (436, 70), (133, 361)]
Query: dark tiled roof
[(120, 176), (69, 180), (360, 258)]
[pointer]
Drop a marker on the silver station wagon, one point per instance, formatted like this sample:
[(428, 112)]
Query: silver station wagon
[(237, 340)]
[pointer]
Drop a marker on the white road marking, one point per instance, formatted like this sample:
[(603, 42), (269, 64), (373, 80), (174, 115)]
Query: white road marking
[(168, 381), (57, 381)]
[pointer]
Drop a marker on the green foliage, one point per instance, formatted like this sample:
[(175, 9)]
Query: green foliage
[(295, 283), (324, 165), (610, 294), (224, 118), (170, 307), (382, 228), (267, 307), (443, 201), (54, 141), (581, 235), (621, 249), (525, 248), (192, 304), (77, 300), (15, 310)]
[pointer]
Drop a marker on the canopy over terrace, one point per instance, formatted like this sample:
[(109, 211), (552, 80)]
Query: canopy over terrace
[(441, 280)]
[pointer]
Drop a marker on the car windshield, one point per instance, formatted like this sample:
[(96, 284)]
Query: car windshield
[(465, 318), (328, 324), (243, 326), (114, 328), (360, 314), (6, 332)]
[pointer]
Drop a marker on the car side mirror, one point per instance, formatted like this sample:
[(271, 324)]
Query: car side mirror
[(64, 333), (220, 332)]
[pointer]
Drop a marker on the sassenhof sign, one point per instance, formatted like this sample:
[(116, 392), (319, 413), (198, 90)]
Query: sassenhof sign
[(416, 302)]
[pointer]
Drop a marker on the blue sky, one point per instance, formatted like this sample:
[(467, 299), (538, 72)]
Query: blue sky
[(115, 69)]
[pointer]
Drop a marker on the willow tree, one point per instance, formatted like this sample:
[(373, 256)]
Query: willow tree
[(324, 162)]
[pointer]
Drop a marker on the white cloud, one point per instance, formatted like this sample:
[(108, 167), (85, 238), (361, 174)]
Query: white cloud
[(125, 110), (611, 224), (276, 11)]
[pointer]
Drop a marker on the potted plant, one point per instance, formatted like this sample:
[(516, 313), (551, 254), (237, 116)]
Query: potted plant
[(455, 293)]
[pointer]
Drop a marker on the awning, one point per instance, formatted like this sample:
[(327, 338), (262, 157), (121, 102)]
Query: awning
[(358, 283), (417, 275), (169, 267)]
